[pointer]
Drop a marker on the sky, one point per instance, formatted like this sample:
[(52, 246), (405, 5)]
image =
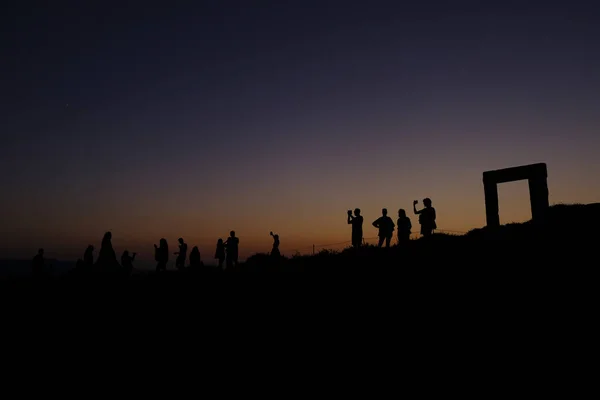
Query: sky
[(196, 118)]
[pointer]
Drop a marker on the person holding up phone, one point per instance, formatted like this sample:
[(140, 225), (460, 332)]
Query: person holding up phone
[(426, 217), (357, 224), (275, 251)]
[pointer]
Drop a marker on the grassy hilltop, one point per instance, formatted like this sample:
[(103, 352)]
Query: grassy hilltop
[(567, 238), (568, 235)]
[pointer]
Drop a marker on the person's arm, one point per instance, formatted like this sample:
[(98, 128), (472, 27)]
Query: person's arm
[(349, 219), (376, 223), (417, 212), (133, 258)]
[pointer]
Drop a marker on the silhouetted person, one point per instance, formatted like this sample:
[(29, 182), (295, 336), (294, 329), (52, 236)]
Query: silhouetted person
[(181, 255), (232, 247), (127, 262), (404, 226), (275, 251), (220, 252), (195, 262), (161, 255), (88, 256), (357, 227), (37, 265), (426, 217), (107, 257), (386, 228)]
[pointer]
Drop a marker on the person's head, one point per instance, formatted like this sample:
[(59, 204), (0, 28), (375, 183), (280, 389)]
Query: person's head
[(163, 242), (90, 247), (107, 236), (427, 202), (232, 233), (401, 213), (41, 252), (220, 241), (357, 212), (125, 254), (384, 211), (180, 240), (195, 249), (276, 237)]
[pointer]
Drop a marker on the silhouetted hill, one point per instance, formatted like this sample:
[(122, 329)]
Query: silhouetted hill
[(517, 274), (568, 238), (566, 222)]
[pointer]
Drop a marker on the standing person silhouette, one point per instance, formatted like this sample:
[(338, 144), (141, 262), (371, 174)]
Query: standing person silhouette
[(88, 256), (426, 217), (161, 255), (195, 261), (37, 265), (232, 247), (275, 251), (404, 227), (220, 252), (386, 228), (107, 259), (357, 227), (127, 262), (181, 255)]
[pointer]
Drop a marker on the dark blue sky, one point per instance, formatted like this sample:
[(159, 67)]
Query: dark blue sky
[(204, 115)]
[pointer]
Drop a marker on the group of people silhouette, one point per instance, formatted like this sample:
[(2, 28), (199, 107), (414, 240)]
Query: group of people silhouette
[(227, 251), (161, 255), (386, 226)]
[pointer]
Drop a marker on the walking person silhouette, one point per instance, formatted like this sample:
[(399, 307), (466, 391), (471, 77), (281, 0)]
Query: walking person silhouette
[(232, 247), (357, 227), (181, 255), (386, 228), (161, 255), (275, 251), (426, 217), (127, 262), (220, 252)]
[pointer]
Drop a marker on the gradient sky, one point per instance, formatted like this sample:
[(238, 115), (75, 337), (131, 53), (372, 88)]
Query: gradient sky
[(197, 119)]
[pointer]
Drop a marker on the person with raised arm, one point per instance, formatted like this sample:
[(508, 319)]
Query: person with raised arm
[(426, 217), (357, 227), (275, 251)]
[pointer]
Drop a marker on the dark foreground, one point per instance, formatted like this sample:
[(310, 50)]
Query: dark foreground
[(483, 312)]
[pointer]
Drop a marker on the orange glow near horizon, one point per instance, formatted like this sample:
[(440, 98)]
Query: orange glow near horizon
[(302, 222)]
